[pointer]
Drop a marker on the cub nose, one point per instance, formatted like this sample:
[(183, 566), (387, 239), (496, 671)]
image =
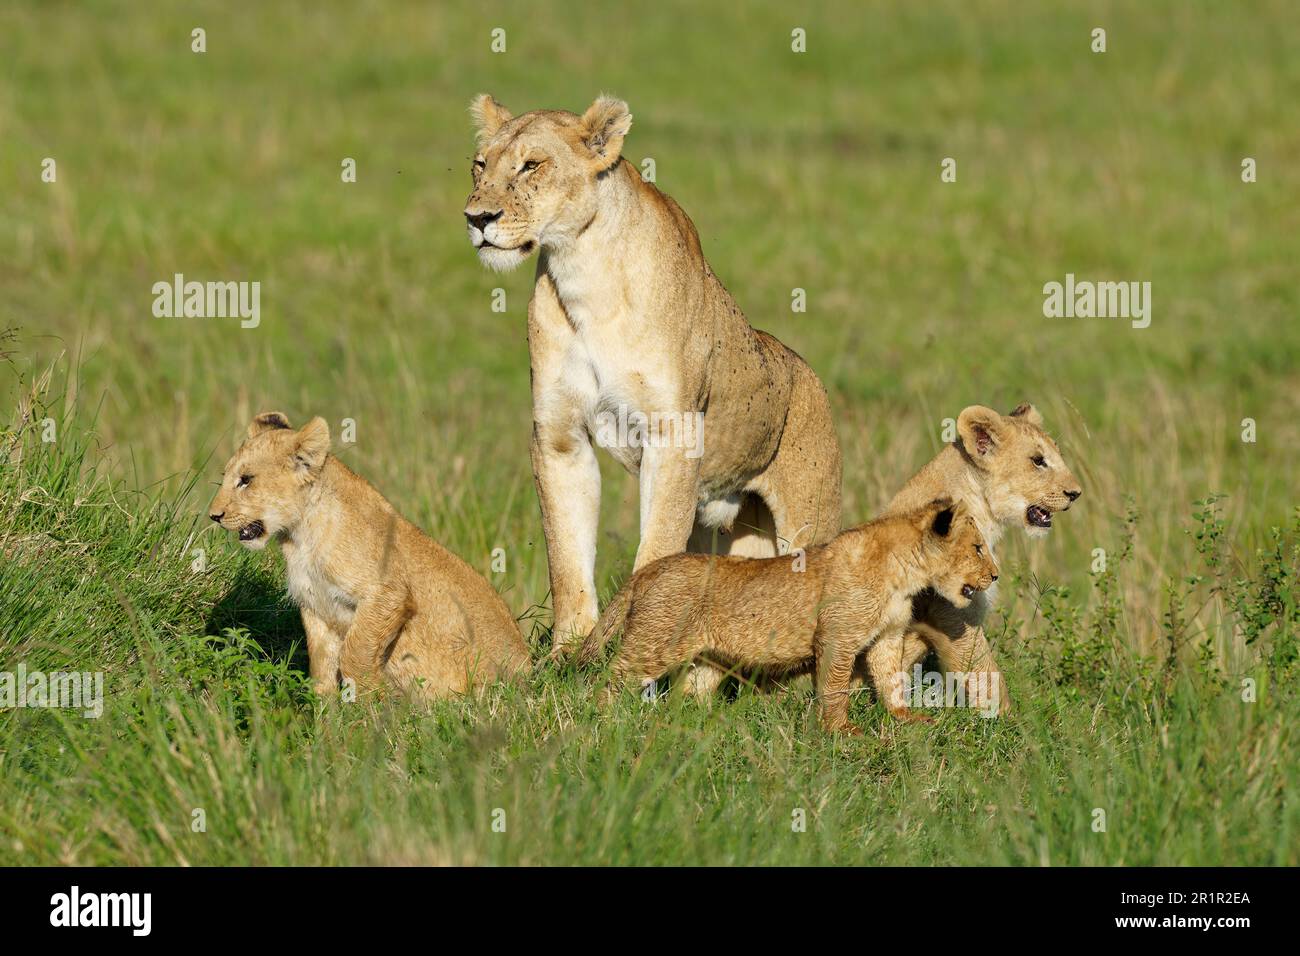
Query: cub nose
[(481, 220), (1073, 493), (217, 517)]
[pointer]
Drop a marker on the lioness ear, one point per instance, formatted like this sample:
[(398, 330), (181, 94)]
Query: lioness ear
[(602, 129), (267, 421), (1028, 413), (981, 431), (489, 116), (313, 444)]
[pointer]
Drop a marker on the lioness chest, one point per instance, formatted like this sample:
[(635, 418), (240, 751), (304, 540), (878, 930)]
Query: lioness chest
[(625, 391)]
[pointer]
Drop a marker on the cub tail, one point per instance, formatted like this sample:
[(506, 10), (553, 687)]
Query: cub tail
[(611, 621)]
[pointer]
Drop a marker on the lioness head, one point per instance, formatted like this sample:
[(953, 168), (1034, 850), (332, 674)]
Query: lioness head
[(264, 487), (957, 557), (1024, 478), (535, 175)]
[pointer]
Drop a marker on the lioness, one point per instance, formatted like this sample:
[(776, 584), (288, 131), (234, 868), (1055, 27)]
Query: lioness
[(780, 616), (628, 323), (378, 597), (1007, 472)]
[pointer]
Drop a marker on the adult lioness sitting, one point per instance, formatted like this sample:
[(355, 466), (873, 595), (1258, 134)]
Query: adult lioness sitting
[(1008, 472), (628, 323)]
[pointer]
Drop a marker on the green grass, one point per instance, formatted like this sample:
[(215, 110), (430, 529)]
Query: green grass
[(818, 171)]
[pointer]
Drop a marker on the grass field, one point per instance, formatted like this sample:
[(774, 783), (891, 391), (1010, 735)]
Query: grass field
[(818, 171)]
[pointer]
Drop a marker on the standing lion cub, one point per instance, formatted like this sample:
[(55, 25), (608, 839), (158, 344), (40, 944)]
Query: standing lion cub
[(379, 599), (780, 616)]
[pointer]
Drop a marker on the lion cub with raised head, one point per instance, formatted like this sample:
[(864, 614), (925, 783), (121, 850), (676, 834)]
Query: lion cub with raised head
[(781, 616), (1007, 472), (379, 599)]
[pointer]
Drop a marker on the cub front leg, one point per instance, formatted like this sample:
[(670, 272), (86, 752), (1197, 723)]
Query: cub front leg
[(963, 648), (888, 662), (835, 654), (378, 620), (324, 648)]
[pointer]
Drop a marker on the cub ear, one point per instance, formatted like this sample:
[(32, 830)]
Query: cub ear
[(1028, 413), (936, 517), (489, 116), (981, 432), (313, 444), (602, 129), (266, 422)]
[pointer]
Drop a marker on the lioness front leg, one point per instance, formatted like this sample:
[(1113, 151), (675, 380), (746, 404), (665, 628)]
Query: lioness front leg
[(378, 620), (568, 487), (324, 648), (668, 480)]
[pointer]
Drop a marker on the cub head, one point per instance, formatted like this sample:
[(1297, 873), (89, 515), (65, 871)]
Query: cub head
[(958, 559), (1024, 477), (264, 486), (536, 175)]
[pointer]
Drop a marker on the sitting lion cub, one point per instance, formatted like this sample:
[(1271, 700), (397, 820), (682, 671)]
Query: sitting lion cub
[(378, 597), (780, 616)]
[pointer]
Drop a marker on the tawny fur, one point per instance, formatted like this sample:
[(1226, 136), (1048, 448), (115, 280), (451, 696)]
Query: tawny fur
[(626, 312), (990, 469), (379, 599), (782, 616)]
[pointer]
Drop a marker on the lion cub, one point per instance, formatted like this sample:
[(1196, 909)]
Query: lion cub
[(379, 599), (781, 616)]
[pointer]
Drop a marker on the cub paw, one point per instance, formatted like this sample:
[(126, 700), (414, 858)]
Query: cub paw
[(908, 716)]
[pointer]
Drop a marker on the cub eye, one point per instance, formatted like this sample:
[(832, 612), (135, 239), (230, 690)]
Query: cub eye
[(529, 166), (1039, 461), (244, 481), (979, 549)]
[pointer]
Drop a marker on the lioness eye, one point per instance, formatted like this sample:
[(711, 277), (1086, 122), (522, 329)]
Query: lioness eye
[(529, 166), (1039, 461), (244, 481), (979, 549)]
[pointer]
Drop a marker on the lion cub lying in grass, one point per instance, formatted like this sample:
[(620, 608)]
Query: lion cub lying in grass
[(768, 615), (379, 599)]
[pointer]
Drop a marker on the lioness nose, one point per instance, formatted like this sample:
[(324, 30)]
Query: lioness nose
[(1073, 493), (217, 517), (481, 220)]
